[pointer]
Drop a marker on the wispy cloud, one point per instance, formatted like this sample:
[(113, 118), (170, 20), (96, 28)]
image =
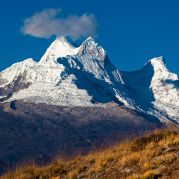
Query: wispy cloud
[(50, 22)]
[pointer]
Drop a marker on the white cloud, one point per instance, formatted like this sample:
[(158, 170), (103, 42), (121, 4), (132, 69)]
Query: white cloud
[(49, 22)]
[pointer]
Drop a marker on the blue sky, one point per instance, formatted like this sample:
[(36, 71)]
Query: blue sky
[(131, 31)]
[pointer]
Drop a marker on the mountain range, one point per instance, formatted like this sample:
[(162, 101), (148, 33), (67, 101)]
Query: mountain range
[(84, 76), (75, 99)]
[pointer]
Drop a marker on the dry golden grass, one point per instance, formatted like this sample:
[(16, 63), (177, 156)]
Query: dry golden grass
[(73, 174), (155, 155)]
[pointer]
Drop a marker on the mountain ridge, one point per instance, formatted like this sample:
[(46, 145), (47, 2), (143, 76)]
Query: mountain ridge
[(84, 76)]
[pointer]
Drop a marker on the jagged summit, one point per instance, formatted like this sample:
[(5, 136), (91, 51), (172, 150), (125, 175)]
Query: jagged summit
[(61, 47), (90, 41), (90, 47), (66, 76)]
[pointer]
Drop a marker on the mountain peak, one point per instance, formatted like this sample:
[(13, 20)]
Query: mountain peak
[(157, 63), (93, 49), (90, 41), (160, 60), (160, 70), (61, 47), (63, 41)]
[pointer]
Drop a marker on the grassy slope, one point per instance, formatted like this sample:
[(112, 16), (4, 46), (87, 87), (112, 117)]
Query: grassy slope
[(154, 156)]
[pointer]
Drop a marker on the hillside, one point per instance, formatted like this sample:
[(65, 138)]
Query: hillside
[(74, 100), (154, 156), (29, 131)]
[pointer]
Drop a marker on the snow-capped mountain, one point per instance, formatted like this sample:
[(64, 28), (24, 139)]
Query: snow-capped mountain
[(65, 75), (154, 89), (84, 76)]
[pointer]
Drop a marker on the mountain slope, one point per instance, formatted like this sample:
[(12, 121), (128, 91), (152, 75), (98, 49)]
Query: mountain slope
[(38, 132), (158, 158)]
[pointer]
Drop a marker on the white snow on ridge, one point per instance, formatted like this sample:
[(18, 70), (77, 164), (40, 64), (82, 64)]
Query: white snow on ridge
[(154, 89), (52, 79), (17, 69), (84, 76), (165, 92)]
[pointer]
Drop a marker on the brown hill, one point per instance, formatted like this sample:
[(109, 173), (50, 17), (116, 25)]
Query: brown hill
[(38, 132), (154, 156)]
